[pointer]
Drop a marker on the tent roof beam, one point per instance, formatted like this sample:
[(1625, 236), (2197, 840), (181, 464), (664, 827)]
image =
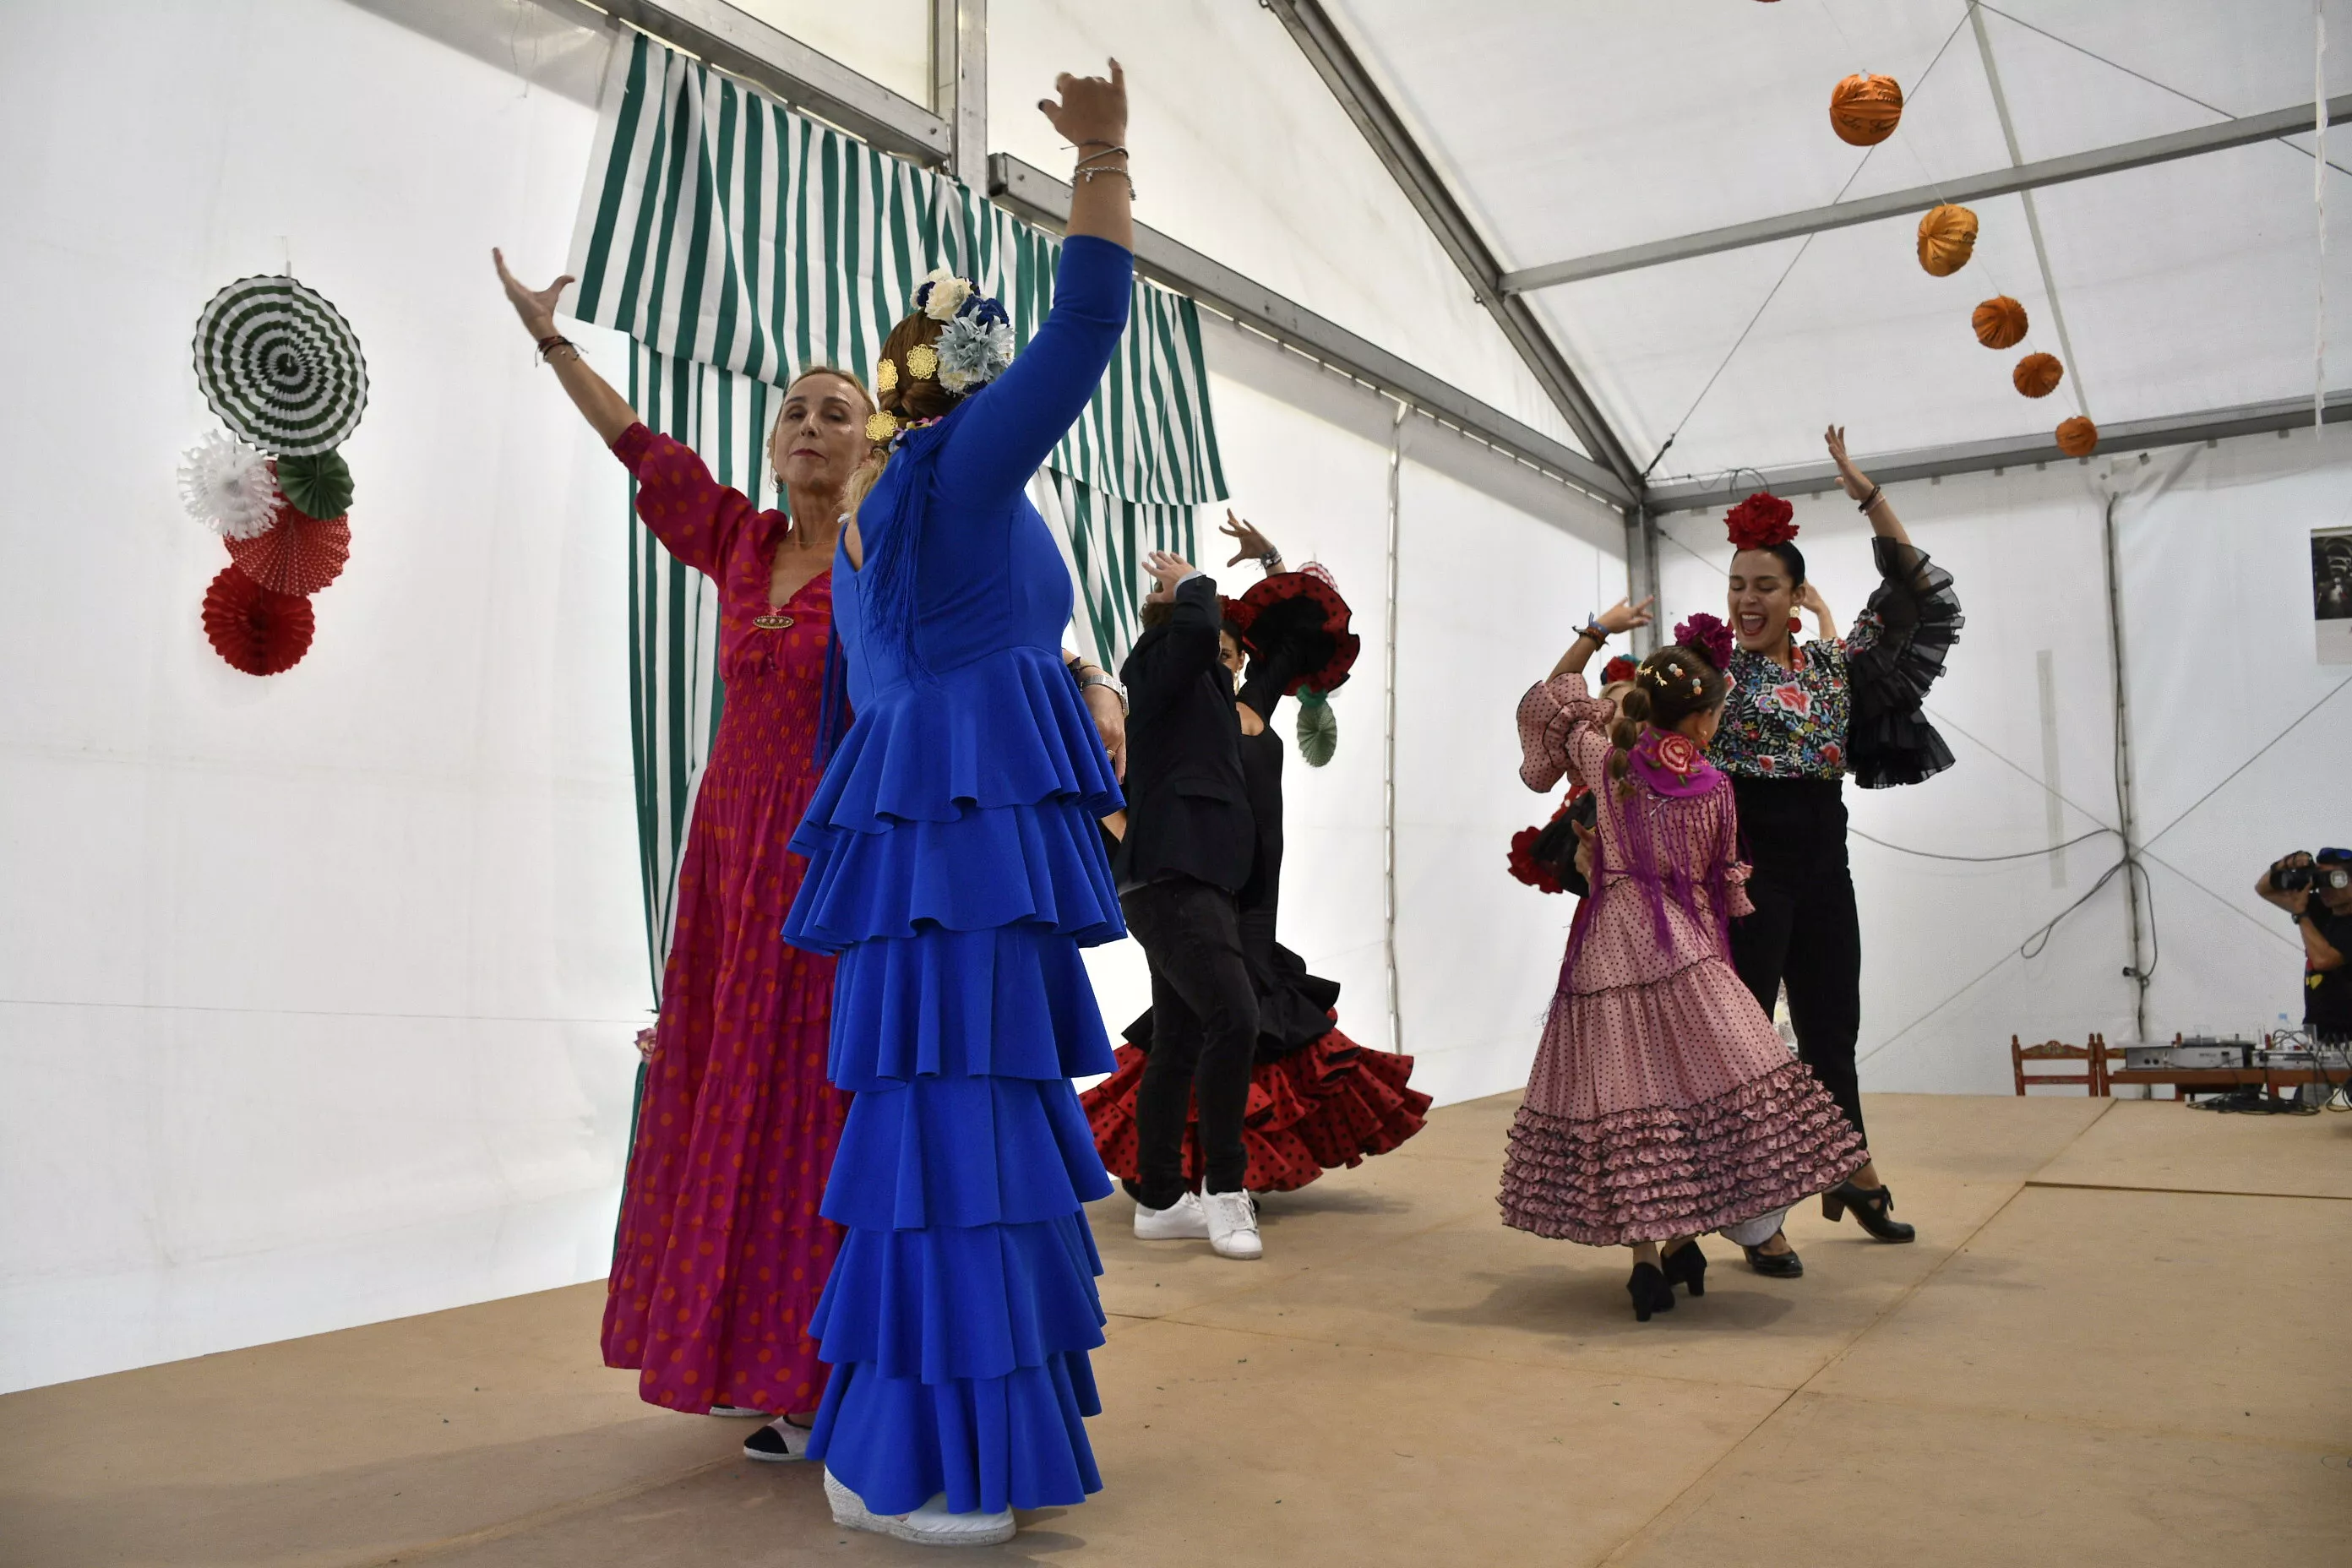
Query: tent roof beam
[(2285, 417), (1040, 197), (2241, 133), (1344, 74), (789, 71)]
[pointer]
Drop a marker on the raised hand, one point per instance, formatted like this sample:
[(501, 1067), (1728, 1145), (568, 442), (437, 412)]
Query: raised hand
[(535, 306), (1622, 617), (1166, 571), (1091, 109), (1251, 545), (1857, 485)]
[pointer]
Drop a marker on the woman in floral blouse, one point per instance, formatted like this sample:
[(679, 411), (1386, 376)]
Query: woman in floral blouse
[(1799, 718)]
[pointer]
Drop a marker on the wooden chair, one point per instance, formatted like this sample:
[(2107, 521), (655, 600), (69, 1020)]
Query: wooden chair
[(2103, 1059), (2091, 1077)]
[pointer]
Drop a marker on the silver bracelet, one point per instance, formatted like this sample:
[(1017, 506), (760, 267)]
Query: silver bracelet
[(1101, 679)]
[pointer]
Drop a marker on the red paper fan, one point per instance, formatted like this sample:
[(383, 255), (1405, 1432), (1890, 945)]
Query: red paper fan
[(299, 554), (257, 630)]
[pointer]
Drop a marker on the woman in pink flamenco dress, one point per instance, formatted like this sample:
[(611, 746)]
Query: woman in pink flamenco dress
[(1662, 1104), (721, 1254)]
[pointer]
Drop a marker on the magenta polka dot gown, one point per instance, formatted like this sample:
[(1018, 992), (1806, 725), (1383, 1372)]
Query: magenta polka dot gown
[(1661, 1103), (721, 1254)]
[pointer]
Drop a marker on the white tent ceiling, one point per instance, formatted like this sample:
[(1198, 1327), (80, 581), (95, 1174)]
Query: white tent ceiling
[(1567, 127)]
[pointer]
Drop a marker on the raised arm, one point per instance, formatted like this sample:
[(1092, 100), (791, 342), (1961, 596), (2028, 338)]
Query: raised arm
[(604, 408), (694, 516), (1863, 493), (1015, 421), (1809, 598), (1614, 621)]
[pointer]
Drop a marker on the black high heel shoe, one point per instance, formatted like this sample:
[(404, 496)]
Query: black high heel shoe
[(1649, 1292), (1776, 1265), (1871, 1207), (1685, 1265)]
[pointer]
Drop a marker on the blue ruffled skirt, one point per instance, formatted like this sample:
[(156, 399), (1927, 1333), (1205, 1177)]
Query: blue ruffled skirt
[(956, 869)]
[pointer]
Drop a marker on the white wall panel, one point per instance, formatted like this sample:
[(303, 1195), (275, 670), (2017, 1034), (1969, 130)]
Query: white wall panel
[(318, 992)]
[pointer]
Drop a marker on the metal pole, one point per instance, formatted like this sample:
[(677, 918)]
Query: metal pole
[(1389, 739), (959, 85), (1641, 576), (2126, 817)]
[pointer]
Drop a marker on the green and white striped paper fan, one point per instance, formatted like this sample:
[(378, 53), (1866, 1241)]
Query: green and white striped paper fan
[(280, 366)]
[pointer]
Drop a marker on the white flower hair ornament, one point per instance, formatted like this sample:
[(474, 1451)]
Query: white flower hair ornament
[(942, 294), (228, 487)]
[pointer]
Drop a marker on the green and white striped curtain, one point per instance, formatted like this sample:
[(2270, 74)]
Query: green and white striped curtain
[(736, 241)]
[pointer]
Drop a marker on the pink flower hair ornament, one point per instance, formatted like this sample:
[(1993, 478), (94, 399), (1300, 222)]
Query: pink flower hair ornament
[(1708, 637)]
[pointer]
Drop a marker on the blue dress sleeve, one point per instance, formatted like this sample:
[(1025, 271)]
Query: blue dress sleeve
[(1013, 423)]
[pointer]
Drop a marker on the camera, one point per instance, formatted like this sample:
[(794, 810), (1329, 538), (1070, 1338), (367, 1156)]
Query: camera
[(2321, 877)]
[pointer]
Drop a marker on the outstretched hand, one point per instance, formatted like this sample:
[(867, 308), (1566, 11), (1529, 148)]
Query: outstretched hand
[(1251, 544), (535, 306), (1091, 109)]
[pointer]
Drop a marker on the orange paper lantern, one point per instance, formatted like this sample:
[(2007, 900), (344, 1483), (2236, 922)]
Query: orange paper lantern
[(1948, 237), (2078, 437), (1865, 109), (2038, 375), (2000, 322)]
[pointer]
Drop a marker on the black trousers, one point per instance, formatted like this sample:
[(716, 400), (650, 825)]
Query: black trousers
[(1805, 932), (1203, 1035)]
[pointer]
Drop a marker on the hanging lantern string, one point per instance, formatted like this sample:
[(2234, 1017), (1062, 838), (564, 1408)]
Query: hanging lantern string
[(1911, 100)]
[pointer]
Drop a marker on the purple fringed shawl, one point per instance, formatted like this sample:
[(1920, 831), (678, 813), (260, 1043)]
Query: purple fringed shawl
[(1686, 862)]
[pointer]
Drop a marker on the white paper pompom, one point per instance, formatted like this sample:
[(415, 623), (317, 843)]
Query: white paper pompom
[(228, 487)]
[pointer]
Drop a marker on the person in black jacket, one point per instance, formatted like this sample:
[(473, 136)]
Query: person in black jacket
[(1188, 846)]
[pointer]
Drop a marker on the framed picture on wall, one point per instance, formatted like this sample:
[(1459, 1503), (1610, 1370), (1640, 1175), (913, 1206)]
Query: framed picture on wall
[(2331, 593)]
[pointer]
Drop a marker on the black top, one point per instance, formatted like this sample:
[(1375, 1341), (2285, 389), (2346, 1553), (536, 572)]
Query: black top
[(1294, 1007), (1261, 692), (2328, 993), (1187, 803)]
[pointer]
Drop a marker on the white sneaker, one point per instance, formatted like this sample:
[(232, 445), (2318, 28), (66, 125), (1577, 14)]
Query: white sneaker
[(929, 1525), (1232, 1224), (739, 1410), (1179, 1221)]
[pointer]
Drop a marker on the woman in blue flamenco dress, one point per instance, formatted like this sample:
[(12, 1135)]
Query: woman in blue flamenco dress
[(955, 868)]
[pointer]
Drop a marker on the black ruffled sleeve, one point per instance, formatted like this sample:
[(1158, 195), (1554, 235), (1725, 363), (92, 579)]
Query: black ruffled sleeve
[(1902, 636)]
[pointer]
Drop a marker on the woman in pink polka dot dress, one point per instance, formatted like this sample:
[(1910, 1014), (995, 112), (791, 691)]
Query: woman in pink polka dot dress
[(1662, 1104), (721, 1254)]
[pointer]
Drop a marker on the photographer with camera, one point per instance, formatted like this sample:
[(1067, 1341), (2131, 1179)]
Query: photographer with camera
[(2316, 890)]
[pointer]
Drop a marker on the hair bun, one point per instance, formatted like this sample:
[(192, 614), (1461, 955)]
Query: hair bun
[(1760, 521), (1708, 637)]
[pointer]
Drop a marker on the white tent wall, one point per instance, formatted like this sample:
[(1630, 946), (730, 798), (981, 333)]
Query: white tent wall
[(1487, 596), (2215, 547), (317, 996), (1497, 566)]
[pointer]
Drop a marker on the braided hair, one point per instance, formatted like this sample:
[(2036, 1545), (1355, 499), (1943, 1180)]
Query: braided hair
[(1669, 686)]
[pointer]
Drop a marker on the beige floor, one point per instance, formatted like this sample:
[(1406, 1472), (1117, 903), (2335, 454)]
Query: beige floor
[(2125, 1337)]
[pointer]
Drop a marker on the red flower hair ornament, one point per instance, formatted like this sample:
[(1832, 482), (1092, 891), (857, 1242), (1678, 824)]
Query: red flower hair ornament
[(1760, 521), (1617, 669)]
